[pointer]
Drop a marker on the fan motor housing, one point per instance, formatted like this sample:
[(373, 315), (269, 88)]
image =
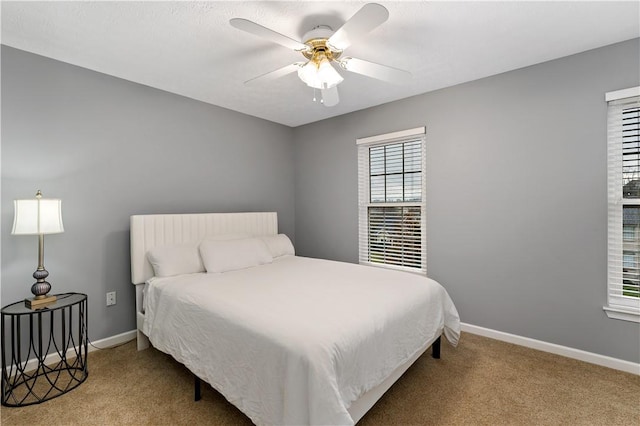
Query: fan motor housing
[(316, 39)]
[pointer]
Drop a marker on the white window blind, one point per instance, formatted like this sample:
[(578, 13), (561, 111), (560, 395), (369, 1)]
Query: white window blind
[(391, 186), (623, 182)]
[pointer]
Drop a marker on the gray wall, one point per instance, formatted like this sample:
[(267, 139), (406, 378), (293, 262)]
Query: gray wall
[(516, 183), (516, 195), (110, 148)]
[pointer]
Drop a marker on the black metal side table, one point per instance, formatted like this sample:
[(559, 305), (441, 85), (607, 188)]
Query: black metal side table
[(55, 334)]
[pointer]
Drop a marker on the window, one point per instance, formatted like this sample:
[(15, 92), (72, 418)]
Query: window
[(392, 200), (623, 139), (628, 232)]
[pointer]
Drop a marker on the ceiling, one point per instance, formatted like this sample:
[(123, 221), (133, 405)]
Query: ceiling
[(189, 48)]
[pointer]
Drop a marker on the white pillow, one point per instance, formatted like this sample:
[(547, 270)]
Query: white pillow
[(175, 260), (230, 255), (279, 245)]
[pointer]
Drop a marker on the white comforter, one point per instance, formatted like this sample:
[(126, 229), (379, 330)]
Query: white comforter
[(298, 340)]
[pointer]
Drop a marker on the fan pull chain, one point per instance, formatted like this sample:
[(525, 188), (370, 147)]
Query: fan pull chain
[(315, 99)]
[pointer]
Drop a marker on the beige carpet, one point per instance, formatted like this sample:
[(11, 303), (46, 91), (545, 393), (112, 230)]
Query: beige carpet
[(483, 381)]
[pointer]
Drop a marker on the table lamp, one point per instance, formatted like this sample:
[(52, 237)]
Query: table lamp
[(38, 216)]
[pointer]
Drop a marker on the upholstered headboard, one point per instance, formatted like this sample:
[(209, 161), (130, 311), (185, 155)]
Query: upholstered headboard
[(149, 231)]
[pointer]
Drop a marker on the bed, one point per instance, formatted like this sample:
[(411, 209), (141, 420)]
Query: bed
[(288, 340)]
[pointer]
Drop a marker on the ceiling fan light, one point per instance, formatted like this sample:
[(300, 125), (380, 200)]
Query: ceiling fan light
[(323, 76), (309, 74), (328, 75)]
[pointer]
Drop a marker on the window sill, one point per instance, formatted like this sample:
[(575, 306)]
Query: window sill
[(622, 314), (394, 267)]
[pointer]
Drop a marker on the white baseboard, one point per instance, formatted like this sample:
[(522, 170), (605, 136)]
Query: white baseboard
[(590, 357), (105, 343), (113, 340)]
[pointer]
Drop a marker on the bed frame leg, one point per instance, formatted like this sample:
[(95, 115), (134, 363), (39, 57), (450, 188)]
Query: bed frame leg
[(142, 341), (198, 393), (435, 348)]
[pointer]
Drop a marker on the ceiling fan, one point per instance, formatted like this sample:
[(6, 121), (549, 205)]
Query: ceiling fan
[(322, 46)]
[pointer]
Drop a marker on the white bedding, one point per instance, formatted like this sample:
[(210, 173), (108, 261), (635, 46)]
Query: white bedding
[(298, 340)]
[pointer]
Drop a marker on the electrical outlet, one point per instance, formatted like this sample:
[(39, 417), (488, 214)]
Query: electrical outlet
[(111, 298)]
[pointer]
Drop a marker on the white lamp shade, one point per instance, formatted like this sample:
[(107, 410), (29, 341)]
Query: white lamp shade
[(309, 74), (322, 76), (328, 75), (37, 216)]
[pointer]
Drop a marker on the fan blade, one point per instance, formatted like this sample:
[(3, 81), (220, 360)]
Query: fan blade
[(266, 33), (272, 75), (330, 96), (366, 19), (371, 69)]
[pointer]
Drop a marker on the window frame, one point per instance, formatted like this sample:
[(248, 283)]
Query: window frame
[(364, 195), (618, 306)]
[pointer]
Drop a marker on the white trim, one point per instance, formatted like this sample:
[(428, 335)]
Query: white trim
[(105, 343), (394, 267), (364, 198), (621, 94), (616, 204), (397, 204), (118, 339), (622, 314), (590, 357), (393, 135)]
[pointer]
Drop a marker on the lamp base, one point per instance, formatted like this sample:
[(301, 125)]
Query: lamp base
[(35, 303)]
